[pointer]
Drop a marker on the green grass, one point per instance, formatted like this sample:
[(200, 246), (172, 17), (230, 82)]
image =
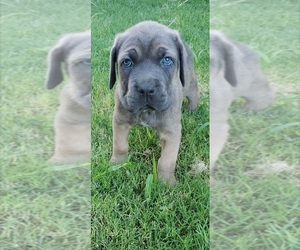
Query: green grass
[(253, 206), (41, 207), (48, 208), (131, 209)]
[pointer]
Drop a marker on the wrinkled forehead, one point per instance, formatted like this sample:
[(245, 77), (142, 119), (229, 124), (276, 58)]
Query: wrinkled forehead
[(146, 41), (81, 49)]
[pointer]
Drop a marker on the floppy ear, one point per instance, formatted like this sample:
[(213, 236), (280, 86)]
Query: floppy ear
[(112, 70), (228, 53), (183, 58), (55, 74)]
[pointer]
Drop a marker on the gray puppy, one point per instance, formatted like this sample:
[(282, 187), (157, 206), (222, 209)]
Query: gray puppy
[(234, 72), (155, 68), (73, 119)]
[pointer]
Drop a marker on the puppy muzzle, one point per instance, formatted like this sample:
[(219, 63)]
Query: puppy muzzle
[(147, 95)]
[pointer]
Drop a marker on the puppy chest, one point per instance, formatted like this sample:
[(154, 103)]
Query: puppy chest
[(147, 118)]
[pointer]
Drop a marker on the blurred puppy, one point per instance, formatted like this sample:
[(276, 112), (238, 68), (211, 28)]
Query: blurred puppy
[(234, 72), (73, 120)]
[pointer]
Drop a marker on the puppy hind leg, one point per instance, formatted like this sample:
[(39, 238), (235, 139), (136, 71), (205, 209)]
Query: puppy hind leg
[(260, 95), (193, 96)]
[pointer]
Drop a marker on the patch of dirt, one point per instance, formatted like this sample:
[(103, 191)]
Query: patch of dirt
[(276, 167), (198, 167)]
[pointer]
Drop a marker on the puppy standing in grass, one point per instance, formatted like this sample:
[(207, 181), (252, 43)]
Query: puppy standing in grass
[(234, 72), (155, 68), (73, 119)]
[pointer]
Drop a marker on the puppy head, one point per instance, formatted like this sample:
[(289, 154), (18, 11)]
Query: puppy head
[(238, 65), (150, 61), (74, 50), (222, 57)]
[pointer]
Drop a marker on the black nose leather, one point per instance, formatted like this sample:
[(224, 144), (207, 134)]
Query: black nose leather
[(146, 88)]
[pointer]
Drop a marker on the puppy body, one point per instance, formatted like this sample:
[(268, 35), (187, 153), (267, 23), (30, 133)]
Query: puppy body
[(73, 120), (234, 72), (155, 74)]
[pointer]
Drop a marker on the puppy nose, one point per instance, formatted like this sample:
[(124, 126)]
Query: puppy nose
[(146, 88)]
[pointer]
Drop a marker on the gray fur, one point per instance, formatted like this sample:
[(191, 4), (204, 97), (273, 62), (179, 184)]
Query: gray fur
[(73, 119), (150, 92), (234, 72)]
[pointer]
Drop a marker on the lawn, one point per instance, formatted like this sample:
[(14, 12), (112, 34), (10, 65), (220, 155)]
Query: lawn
[(131, 209), (41, 206), (256, 204)]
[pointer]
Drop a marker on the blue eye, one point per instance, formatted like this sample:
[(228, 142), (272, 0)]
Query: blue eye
[(127, 63), (166, 61), (86, 62)]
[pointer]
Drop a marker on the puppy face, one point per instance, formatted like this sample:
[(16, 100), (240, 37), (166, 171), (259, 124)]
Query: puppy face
[(148, 58), (75, 51)]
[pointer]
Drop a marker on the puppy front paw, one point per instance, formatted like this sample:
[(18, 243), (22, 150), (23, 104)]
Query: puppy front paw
[(167, 178), (118, 158)]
